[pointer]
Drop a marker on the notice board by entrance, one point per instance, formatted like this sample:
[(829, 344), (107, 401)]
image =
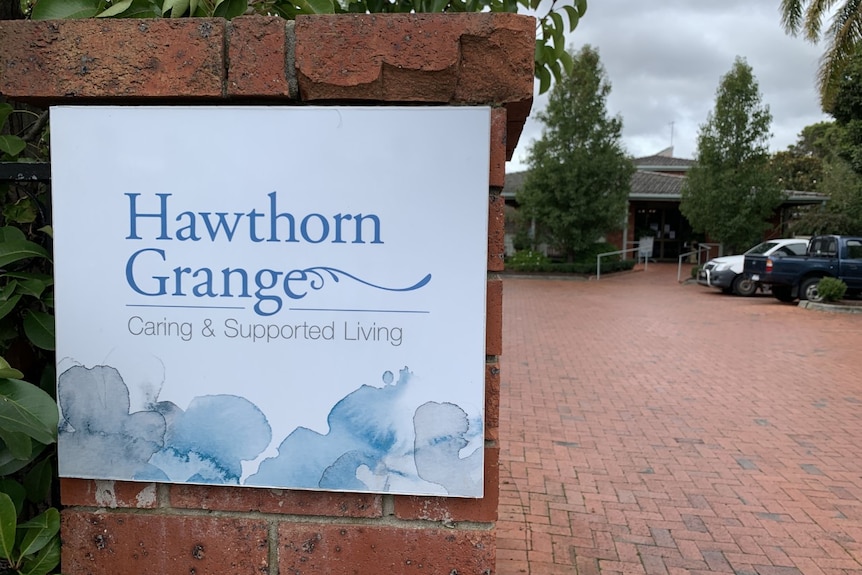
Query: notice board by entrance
[(288, 297)]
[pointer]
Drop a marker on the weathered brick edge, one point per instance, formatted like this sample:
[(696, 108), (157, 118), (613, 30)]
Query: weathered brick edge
[(429, 58), (467, 59)]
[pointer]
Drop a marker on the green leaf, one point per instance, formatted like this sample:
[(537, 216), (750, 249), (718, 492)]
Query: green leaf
[(37, 482), (567, 61), (64, 9), (8, 522), (12, 251), (25, 408), (15, 491), (45, 560), (5, 110), (18, 444), (39, 327), (176, 7), (317, 6), (12, 145), (116, 9), (229, 9), (6, 306), (30, 283), (582, 7), (9, 464), (140, 9), (544, 79), (559, 36), (7, 371), (539, 52), (48, 230), (39, 531), (21, 212), (574, 18), (11, 234)]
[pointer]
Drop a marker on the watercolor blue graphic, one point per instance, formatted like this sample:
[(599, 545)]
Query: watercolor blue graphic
[(370, 445)]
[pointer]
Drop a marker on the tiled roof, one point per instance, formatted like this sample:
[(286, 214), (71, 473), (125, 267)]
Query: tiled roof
[(644, 185), (514, 182), (648, 185), (805, 197), (663, 161), (653, 185)]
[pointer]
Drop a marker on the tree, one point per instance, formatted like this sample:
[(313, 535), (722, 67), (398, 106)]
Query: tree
[(731, 193), (798, 172), (839, 144), (841, 37), (580, 176), (842, 213)]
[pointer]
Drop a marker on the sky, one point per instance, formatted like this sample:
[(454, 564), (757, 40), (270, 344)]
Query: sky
[(665, 60)]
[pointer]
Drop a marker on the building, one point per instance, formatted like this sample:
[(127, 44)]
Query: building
[(653, 209)]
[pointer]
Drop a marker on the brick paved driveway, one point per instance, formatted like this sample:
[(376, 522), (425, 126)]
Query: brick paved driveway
[(652, 427)]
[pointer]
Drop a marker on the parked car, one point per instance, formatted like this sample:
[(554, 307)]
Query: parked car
[(725, 273), (796, 277)]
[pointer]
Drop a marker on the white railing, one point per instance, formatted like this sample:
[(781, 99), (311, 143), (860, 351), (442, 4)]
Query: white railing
[(699, 251), (616, 253)]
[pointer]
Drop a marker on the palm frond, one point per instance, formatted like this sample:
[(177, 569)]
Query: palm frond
[(817, 11), (842, 38), (791, 15)]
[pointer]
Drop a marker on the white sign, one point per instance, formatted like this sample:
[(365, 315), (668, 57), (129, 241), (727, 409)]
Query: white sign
[(287, 297)]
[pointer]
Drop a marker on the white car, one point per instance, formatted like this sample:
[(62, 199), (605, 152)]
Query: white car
[(725, 273)]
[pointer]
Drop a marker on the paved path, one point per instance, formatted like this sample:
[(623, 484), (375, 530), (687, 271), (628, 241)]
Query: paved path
[(659, 428)]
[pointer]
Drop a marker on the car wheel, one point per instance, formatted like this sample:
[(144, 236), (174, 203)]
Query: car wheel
[(743, 286), (808, 290), (783, 293)]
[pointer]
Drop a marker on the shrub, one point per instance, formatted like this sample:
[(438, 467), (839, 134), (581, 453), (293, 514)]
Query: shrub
[(588, 254), (831, 289), (585, 268), (527, 260)]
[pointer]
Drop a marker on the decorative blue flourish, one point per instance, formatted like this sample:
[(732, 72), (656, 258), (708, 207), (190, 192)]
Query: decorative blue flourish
[(316, 279)]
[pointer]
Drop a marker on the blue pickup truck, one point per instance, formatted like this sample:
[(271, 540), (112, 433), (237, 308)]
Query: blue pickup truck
[(796, 277)]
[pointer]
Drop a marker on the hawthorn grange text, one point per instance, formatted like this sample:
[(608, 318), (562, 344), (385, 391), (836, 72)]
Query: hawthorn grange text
[(151, 218)]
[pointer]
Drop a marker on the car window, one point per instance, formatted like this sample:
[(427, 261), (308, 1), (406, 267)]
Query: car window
[(797, 249), (761, 248), (854, 249)]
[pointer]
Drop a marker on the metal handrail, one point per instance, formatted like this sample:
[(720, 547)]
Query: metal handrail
[(600, 256), (700, 248)]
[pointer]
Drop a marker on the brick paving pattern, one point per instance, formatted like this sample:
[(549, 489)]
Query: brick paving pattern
[(652, 427)]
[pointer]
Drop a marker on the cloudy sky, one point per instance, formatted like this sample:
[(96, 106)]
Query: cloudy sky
[(665, 60)]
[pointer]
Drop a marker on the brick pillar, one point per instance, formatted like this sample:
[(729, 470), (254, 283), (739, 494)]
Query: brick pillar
[(466, 59)]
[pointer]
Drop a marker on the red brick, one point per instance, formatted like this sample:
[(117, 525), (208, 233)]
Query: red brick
[(492, 397), (283, 501), (497, 176), (257, 53), (446, 58), (60, 60), (449, 510), (496, 233), (516, 117), (112, 494), (317, 549), (108, 544), (494, 318)]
